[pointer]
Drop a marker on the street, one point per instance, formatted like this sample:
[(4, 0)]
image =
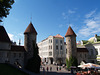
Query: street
[(54, 71)]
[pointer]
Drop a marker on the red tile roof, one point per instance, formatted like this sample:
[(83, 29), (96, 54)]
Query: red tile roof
[(3, 35), (30, 29), (58, 36), (17, 48), (70, 32), (82, 50)]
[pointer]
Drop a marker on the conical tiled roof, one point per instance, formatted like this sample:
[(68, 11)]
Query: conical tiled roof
[(3, 35), (30, 29), (70, 32), (58, 36)]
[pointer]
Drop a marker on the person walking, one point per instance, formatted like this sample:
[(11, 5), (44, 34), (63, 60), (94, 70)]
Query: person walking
[(47, 69), (50, 68), (57, 68), (60, 68), (43, 71)]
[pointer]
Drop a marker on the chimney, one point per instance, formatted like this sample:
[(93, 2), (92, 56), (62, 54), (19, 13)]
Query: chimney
[(19, 42), (95, 35)]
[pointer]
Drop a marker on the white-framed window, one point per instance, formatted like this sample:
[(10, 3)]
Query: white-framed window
[(50, 53)]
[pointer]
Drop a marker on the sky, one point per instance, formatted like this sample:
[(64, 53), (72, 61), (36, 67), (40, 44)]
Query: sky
[(52, 17)]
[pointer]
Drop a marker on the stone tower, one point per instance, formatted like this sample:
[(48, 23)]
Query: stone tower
[(71, 43), (30, 35)]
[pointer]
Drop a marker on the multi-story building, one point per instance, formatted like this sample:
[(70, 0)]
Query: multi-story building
[(53, 50)]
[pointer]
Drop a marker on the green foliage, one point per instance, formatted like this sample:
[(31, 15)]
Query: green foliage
[(5, 6), (34, 63), (71, 62)]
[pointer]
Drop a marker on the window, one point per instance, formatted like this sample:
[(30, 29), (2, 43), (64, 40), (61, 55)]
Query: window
[(50, 53), (51, 47), (60, 41), (56, 41), (56, 47), (69, 40), (61, 47), (51, 41)]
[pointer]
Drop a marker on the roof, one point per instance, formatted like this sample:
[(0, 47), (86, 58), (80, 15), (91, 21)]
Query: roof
[(3, 35), (30, 29), (70, 32), (17, 48), (58, 36), (82, 50)]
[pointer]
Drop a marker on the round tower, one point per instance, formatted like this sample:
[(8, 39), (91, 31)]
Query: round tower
[(71, 43), (30, 35)]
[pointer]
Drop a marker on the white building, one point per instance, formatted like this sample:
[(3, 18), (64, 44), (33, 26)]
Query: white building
[(93, 46), (53, 50)]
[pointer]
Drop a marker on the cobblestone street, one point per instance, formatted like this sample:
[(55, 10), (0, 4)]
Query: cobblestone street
[(54, 71)]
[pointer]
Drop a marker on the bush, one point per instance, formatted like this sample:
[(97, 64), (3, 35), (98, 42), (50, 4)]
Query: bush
[(71, 62)]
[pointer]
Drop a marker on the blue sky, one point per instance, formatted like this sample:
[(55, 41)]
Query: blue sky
[(51, 17)]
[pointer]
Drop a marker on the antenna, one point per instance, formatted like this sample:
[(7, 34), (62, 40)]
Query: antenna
[(69, 20), (31, 18), (19, 42)]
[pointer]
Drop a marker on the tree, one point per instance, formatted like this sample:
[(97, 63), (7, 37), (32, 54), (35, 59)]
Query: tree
[(5, 6), (71, 62), (34, 63)]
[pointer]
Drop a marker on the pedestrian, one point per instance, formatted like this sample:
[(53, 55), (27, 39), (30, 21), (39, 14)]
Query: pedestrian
[(50, 68), (43, 71), (47, 69), (60, 68), (57, 68)]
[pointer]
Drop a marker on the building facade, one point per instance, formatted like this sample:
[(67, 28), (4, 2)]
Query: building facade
[(16, 54), (52, 50), (93, 46)]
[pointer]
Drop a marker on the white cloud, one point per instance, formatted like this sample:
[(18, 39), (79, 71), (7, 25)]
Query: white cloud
[(92, 25), (16, 37), (64, 15), (11, 36), (90, 14), (61, 25), (71, 11)]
